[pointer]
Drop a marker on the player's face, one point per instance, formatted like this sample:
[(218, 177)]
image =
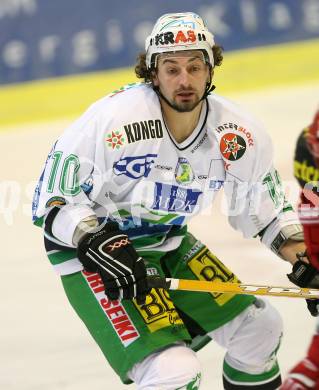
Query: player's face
[(181, 78)]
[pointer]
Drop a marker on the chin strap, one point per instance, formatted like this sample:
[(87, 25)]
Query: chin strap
[(210, 88), (159, 94)]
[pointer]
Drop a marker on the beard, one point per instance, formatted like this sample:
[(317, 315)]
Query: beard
[(186, 106), (183, 106)]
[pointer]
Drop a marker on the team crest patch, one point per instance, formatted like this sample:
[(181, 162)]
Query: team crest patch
[(183, 172), (115, 139), (232, 146), (55, 201)]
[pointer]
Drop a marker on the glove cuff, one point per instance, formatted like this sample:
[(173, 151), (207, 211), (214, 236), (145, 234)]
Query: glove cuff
[(101, 230), (303, 274)]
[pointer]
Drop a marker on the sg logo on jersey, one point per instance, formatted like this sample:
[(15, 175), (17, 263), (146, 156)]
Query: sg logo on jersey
[(134, 167)]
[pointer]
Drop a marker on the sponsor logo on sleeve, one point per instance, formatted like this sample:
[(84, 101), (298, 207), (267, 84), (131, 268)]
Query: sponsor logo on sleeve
[(134, 167)]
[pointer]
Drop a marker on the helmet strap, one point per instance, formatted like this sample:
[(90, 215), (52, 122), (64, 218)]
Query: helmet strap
[(209, 86)]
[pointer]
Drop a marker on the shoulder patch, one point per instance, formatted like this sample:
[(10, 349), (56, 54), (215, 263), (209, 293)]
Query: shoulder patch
[(232, 146)]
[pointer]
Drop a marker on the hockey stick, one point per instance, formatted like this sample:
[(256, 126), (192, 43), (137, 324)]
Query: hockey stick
[(232, 288)]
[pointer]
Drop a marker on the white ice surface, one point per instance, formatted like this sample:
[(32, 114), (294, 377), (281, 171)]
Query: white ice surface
[(43, 345)]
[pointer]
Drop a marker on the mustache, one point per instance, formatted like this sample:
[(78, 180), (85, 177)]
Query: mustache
[(185, 90)]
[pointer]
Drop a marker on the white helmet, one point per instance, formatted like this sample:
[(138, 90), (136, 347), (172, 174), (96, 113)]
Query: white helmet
[(179, 31)]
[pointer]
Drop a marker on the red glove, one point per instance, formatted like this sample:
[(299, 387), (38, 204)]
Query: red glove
[(313, 139), (305, 375), (309, 218)]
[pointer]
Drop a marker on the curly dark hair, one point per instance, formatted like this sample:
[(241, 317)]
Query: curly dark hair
[(142, 72)]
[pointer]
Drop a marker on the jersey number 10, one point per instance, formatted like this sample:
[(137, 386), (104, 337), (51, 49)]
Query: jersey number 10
[(68, 183)]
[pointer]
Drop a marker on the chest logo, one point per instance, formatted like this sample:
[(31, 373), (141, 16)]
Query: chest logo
[(144, 130), (183, 172), (134, 167), (232, 146), (175, 199)]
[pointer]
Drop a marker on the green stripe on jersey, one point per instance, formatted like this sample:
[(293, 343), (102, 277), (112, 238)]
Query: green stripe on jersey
[(242, 377), (39, 222), (61, 256), (146, 241)]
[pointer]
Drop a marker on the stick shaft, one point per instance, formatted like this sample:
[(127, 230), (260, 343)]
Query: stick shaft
[(232, 288)]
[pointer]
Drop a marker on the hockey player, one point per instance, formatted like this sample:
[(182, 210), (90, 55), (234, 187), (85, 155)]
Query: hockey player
[(305, 375), (115, 197)]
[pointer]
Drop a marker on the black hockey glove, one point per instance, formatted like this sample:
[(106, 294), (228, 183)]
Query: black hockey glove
[(110, 253), (305, 275)]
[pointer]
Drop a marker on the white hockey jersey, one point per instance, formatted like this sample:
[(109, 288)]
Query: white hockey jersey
[(120, 160)]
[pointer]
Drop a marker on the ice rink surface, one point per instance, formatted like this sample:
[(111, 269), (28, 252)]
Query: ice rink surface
[(43, 345)]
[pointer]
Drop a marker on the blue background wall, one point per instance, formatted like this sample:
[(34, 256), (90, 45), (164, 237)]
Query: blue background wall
[(46, 38)]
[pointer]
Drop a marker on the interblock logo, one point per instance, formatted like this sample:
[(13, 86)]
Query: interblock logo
[(232, 146)]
